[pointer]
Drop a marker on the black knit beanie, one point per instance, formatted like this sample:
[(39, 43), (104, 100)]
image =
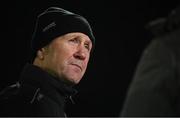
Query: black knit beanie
[(54, 22)]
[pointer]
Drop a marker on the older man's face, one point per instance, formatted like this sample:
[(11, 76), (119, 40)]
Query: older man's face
[(67, 56)]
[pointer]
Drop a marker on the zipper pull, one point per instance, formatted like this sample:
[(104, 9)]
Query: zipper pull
[(71, 100)]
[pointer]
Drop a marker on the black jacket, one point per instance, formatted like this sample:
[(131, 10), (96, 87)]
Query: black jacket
[(155, 88), (36, 94)]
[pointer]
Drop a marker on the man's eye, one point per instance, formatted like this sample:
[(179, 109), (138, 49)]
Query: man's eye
[(74, 40), (87, 46)]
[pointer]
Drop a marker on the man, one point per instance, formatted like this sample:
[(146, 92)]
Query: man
[(155, 88), (61, 44)]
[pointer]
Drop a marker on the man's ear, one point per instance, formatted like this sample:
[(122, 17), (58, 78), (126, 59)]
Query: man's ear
[(41, 53)]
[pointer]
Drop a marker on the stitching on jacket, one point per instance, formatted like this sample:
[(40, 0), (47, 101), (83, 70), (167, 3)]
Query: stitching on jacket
[(35, 95)]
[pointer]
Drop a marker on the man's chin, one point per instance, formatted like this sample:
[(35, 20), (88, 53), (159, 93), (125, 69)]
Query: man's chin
[(72, 81)]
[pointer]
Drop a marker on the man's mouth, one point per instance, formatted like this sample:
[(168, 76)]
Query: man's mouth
[(77, 66)]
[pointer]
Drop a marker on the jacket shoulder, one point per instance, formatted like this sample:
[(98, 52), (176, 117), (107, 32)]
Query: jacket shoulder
[(27, 100), (9, 91)]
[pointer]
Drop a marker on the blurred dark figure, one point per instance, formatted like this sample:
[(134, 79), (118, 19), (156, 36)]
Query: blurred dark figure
[(155, 88)]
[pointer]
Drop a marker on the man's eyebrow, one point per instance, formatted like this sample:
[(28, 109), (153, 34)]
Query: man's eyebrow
[(70, 37), (78, 36), (88, 41)]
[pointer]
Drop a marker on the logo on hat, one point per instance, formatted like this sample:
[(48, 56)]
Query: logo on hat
[(53, 24)]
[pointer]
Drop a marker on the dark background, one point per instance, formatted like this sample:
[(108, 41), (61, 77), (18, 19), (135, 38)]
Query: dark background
[(120, 39)]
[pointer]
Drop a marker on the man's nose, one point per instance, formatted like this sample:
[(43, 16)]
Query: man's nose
[(80, 53)]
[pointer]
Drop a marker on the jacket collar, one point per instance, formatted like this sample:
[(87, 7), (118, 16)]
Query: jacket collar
[(52, 87)]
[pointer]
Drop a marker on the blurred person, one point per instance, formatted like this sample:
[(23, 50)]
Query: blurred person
[(155, 88)]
